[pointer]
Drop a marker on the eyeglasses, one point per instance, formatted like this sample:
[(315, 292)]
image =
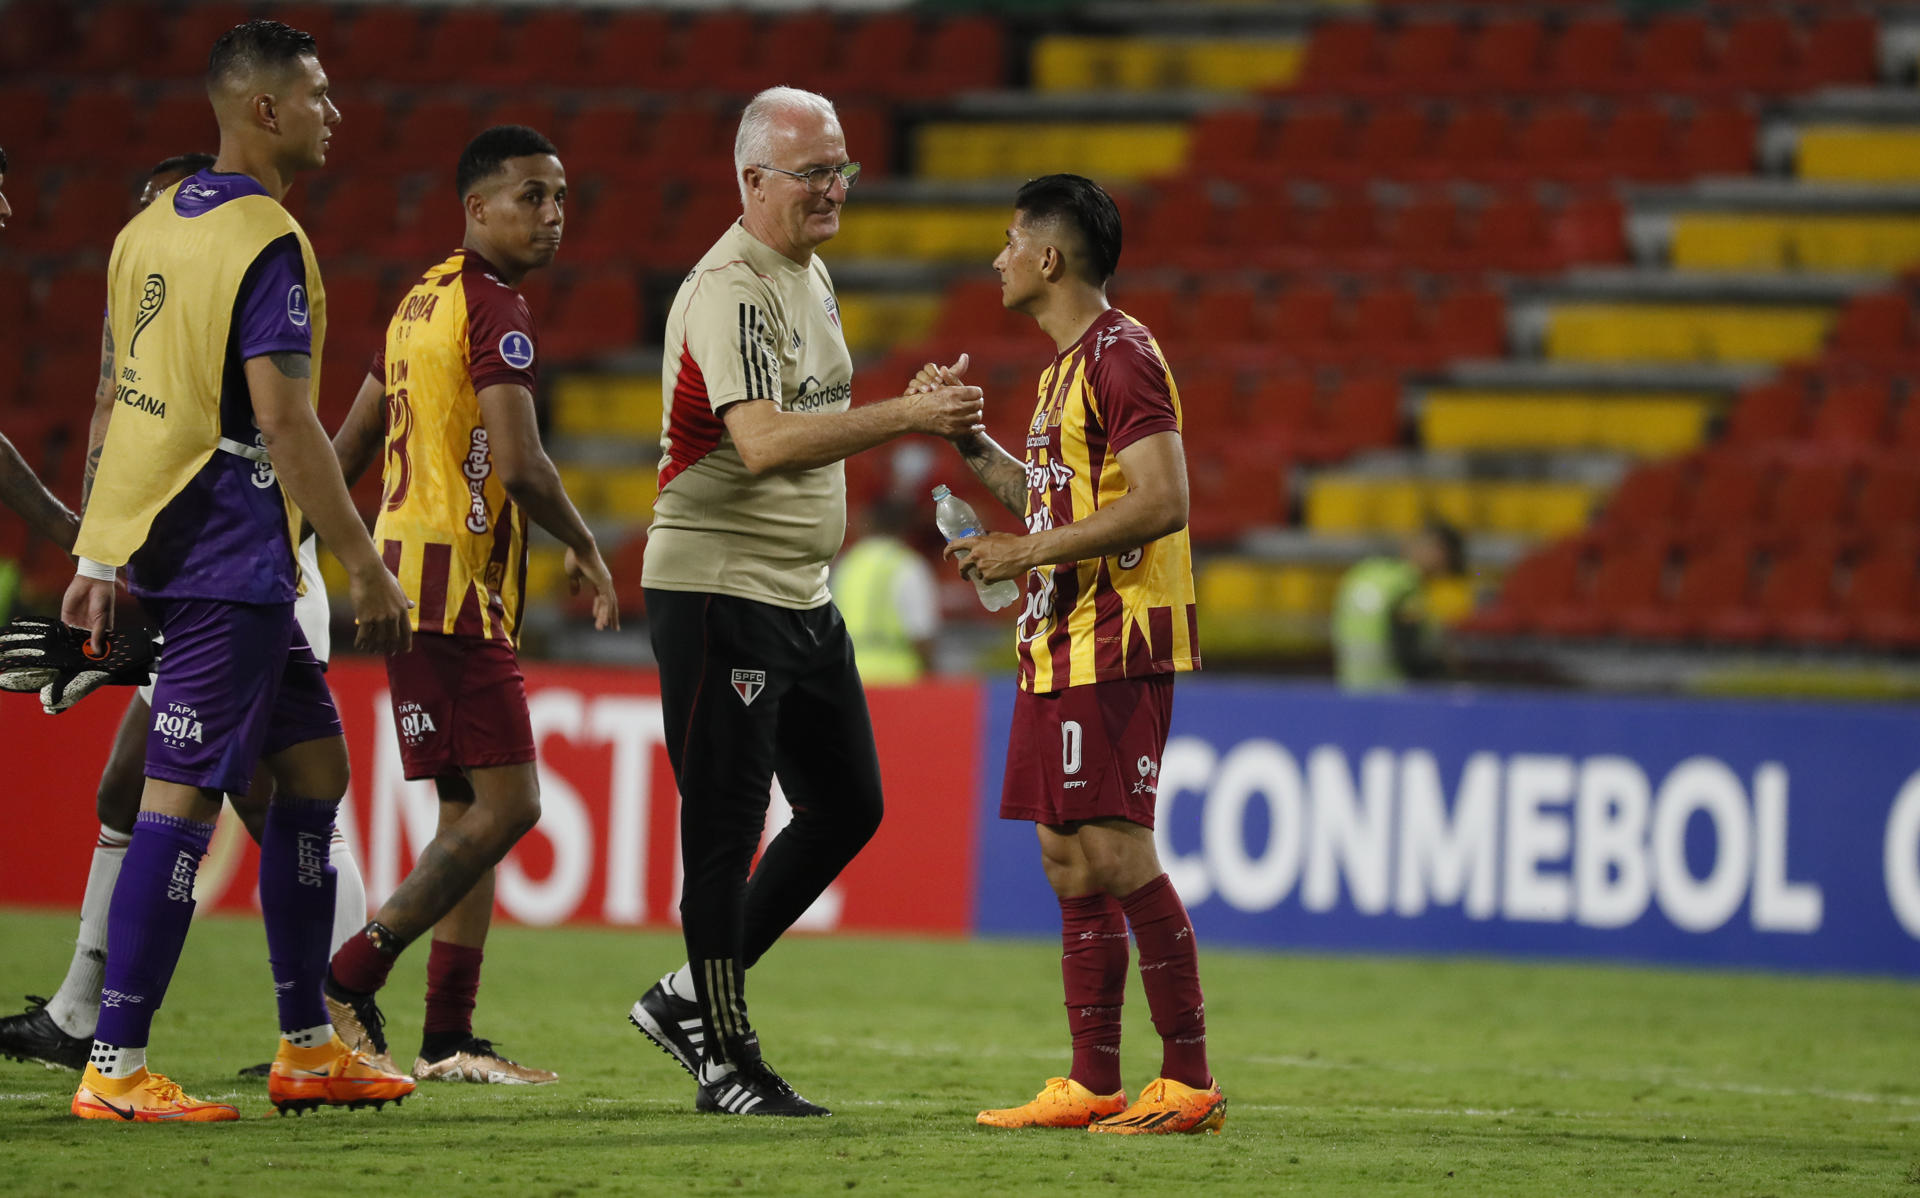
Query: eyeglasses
[(820, 179)]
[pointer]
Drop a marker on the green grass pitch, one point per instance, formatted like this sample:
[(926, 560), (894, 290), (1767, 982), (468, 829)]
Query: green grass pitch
[(1344, 1076)]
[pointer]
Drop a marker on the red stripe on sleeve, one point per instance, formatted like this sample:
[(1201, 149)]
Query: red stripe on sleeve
[(693, 430), (1160, 630)]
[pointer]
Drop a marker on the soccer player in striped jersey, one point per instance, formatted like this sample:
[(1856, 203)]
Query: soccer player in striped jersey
[(1109, 621), (450, 397)]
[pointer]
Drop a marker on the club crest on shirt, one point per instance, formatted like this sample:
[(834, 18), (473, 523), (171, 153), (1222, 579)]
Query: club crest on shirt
[(833, 310), (297, 314), (516, 349), (749, 684)]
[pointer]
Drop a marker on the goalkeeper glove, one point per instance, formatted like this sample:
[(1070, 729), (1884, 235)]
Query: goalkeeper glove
[(56, 660)]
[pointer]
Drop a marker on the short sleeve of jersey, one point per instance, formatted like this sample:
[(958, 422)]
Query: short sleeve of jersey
[(1130, 384), (271, 315), (500, 338), (731, 337)]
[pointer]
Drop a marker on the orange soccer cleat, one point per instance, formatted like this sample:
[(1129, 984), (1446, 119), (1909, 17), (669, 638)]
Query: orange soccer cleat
[(143, 1098), (1167, 1107), (331, 1075), (1063, 1103)]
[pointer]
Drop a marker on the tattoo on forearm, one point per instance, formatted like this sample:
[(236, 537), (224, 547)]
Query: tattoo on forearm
[(291, 365), (994, 466), (106, 352), (86, 481)]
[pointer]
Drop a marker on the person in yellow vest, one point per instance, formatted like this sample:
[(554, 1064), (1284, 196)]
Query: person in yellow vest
[(1110, 621), (887, 596), (217, 317), (447, 405), (1383, 633)]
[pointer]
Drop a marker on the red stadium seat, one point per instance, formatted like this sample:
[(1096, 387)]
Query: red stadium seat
[(1224, 312), (1557, 141), (67, 317), (1394, 134), (1879, 599), (1766, 412), (1810, 496), (1544, 580), (1424, 56), (180, 122), (534, 111), (599, 314), (535, 43), (1852, 413), (426, 137), (1841, 50), (869, 134), (1284, 410), (1386, 327), (1507, 55), (87, 214), (1470, 322), (963, 53), (1627, 577), (1226, 141), (1304, 320), (1364, 413), (190, 35), (316, 18), (87, 122), (1637, 143), (798, 50), (1875, 330), (35, 32), (1235, 490), (461, 43), (1476, 142), (1672, 54), (1151, 305), (877, 55), (1341, 56), (1795, 600), (1647, 499), (1714, 580), (1889, 496), (119, 38), (1728, 492), (1759, 55), (629, 50), (1513, 233), (382, 42), (1310, 140), (1590, 229), (1426, 233), (600, 135), (1589, 55), (1721, 139)]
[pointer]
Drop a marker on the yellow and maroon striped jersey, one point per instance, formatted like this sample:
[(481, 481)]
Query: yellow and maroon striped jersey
[(446, 528), (1131, 614)]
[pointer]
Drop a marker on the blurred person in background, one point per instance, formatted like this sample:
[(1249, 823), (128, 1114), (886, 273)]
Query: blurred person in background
[(1384, 634), (888, 597)]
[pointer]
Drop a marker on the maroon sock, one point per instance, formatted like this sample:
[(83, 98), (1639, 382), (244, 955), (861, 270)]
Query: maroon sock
[(360, 965), (1093, 965), (1170, 974), (453, 979)]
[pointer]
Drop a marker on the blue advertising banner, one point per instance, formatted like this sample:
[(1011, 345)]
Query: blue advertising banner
[(1453, 821)]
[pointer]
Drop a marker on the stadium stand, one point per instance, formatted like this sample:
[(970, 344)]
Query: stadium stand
[(1480, 260)]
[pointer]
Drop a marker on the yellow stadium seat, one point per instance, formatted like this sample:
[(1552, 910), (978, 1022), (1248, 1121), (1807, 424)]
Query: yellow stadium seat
[(874, 321), (1399, 505), (1338, 503), (583, 487), (628, 493), (1456, 501), (632, 405), (1609, 332), (1648, 424), (1232, 586), (1724, 241), (1022, 149), (1859, 153), (546, 571), (1064, 62)]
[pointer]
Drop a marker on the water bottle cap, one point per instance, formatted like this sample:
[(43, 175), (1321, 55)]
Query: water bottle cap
[(941, 492)]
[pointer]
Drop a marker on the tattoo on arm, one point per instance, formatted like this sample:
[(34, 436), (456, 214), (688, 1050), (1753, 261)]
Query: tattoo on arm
[(86, 482), (994, 466), (106, 354), (291, 365)]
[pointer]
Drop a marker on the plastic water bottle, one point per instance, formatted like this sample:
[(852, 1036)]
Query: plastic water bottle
[(955, 518)]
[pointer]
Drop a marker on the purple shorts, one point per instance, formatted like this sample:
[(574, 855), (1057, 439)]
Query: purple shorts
[(1088, 752), (237, 682)]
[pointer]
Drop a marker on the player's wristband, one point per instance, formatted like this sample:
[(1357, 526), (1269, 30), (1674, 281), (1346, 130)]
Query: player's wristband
[(98, 571)]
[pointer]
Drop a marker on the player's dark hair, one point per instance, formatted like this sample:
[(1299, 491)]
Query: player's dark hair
[(253, 46), (1080, 204), (186, 164), (489, 151)]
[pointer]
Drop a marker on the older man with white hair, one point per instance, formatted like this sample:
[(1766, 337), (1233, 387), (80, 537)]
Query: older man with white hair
[(757, 676)]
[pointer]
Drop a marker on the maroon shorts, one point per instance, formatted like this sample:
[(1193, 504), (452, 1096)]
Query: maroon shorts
[(459, 703), (1088, 752)]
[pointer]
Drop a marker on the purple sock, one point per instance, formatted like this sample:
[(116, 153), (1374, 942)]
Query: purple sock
[(147, 923), (296, 898)]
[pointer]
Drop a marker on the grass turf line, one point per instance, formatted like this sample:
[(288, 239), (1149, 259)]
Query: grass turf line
[(1344, 1076)]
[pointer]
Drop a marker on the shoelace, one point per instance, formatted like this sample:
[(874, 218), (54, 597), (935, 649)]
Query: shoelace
[(764, 1073), (36, 1003), (164, 1089), (485, 1048)]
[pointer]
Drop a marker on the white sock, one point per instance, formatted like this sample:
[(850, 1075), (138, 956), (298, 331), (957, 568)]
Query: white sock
[(350, 892), (75, 1007), (679, 983), (309, 1037), (110, 1061)]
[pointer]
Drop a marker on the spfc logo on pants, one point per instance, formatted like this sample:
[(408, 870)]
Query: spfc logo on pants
[(749, 683)]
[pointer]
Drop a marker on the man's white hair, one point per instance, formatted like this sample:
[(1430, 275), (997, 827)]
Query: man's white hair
[(753, 144)]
